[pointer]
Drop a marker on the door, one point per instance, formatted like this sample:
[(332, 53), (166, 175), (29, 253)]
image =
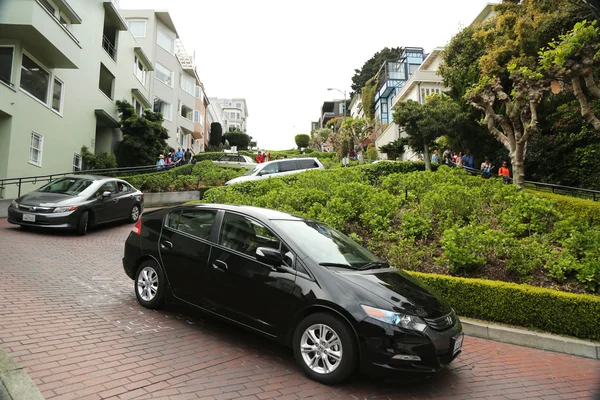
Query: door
[(184, 248), (125, 199), (244, 289), (106, 208)]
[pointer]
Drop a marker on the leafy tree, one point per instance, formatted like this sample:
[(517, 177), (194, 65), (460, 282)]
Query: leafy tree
[(239, 139), (574, 57), (371, 67), (317, 138), (357, 130), (424, 123), (144, 136), (302, 140), (372, 153), (91, 161), (216, 132), (394, 149)]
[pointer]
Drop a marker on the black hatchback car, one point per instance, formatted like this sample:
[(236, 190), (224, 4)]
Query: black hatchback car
[(297, 281), (76, 202)]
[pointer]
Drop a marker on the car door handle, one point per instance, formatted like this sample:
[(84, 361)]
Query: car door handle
[(116, 200), (166, 245), (220, 265)]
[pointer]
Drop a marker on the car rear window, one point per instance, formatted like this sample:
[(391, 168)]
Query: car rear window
[(306, 164), (288, 165)]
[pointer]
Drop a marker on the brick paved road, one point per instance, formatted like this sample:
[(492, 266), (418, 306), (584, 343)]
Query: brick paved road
[(68, 314)]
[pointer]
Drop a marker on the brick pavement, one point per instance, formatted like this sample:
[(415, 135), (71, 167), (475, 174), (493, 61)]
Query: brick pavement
[(69, 316)]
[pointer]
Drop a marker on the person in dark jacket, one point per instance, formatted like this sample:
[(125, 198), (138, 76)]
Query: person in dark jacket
[(187, 157)]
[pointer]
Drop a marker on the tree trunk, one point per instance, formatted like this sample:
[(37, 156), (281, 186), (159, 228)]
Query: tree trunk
[(426, 157), (517, 158)]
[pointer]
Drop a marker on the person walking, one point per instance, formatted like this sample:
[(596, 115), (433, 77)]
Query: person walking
[(435, 158), (504, 172), (187, 157)]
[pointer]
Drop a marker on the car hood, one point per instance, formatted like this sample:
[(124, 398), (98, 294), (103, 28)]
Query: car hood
[(46, 199), (405, 292)]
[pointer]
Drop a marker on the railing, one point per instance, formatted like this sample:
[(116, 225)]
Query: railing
[(109, 47), (589, 194), (19, 182)]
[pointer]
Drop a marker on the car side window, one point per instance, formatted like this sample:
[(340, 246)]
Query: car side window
[(270, 169), (173, 219), (285, 166), (195, 222), (307, 164), (239, 159), (108, 187), (245, 235), (123, 187)]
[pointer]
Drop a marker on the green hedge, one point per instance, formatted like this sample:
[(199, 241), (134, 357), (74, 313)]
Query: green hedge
[(375, 172), (523, 305), (587, 209), (281, 154)]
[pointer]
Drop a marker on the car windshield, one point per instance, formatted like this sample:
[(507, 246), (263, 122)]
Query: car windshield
[(326, 245), (252, 171), (72, 186)]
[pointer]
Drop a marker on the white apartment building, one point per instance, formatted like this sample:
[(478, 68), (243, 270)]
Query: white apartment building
[(234, 113)]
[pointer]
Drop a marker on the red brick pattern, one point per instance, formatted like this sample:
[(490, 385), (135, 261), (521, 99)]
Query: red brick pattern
[(69, 316)]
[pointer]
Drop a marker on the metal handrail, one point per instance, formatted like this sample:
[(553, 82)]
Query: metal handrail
[(542, 186), (4, 182), (109, 47)]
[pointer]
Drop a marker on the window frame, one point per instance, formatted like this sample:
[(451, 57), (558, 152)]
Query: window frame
[(138, 20), (166, 117), (40, 149), (221, 229), (156, 68), (12, 64), (62, 95), (181, 105), (161, 31), (135, 102), (80, 166), (186, 79), (43, 67), (136, 63)]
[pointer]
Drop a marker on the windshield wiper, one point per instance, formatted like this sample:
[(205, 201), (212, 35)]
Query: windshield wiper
[(373, 265), (332, 264)]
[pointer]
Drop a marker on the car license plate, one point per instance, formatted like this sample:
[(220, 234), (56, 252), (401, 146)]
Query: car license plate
[(29, 217), (458, 344)]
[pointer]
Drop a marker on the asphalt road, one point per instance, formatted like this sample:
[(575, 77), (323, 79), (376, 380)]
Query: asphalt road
[(69, 316)]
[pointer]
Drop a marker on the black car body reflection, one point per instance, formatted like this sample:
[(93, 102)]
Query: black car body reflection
[(74, 202), (297, 281)]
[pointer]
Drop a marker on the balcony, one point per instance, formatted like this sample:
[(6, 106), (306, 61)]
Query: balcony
[(109, 47), (41, 33), (420, 76), (8, 97)]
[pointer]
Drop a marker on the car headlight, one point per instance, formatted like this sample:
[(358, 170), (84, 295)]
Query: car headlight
[(64, 209), (393, 318), (14, 204)]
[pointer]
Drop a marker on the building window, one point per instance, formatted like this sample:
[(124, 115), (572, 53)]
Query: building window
[(165, 41), (164, 74), (48, 6), (76, 162), (35, 149), (341, 108), (64, 21), (106, 81), (188, 84), (196, 116), (163, 107), (35, 80), (186, 112), (198, 93), (137, 27), (57, 91), (238, 105), (6, 62), (140, 71), (139, 109)]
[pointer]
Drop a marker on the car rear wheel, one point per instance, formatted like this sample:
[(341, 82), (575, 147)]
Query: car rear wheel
[(134, 215), (149, 284), (82, 223), (325, 348)]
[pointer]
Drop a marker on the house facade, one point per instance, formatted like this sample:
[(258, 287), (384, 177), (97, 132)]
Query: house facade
[(233, 113)]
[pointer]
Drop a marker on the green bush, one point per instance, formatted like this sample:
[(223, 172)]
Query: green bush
[(207, 156), (523, 305), (213, 175), (587, 210), (468, 248)]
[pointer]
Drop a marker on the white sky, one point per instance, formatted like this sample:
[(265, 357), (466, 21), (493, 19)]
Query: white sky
[(282, 55)]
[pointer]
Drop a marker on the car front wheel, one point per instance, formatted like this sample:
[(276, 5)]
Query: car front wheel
[(82, 223), (149, 284), (325, 348)]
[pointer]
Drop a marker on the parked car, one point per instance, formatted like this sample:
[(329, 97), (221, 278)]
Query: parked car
[(297, 281), (235, 161), (77, 202), (277, 168)]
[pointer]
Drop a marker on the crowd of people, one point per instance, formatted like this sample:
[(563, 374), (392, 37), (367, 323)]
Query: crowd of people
[(174, 158), (453, 158)]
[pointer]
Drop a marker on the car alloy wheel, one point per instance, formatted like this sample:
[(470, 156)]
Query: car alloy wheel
[(147, 283), (135, 213), (321, 349)]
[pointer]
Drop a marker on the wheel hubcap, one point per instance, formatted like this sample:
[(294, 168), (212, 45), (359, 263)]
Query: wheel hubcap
[(135, 213), (321, 349), (147, 284)]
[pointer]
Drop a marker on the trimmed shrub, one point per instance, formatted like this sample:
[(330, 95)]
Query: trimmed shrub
[(523, 305), (587, 210)]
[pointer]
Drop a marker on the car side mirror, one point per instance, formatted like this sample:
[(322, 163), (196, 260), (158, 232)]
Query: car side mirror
[(269, 256), (106, 194)]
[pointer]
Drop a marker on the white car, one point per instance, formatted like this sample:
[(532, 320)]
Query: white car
[(235, 161), (278, 168)]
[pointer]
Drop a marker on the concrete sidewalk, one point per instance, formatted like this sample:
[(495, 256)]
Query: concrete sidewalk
[(15, 384)]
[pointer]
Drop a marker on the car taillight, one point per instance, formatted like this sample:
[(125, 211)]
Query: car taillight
[(142, 194), (137, 228)]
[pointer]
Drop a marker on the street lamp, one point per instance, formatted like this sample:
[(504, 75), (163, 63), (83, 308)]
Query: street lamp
[(344, 93)]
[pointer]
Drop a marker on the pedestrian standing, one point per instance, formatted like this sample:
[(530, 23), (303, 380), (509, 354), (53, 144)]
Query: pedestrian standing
[(504, 172), (187, 157), (486, 168), (435, 158), (467, 159), (160, 163), (269, 156)]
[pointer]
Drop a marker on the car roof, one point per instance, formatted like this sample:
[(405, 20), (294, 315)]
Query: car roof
[(257, 212), (289, 160), (93, 177)]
